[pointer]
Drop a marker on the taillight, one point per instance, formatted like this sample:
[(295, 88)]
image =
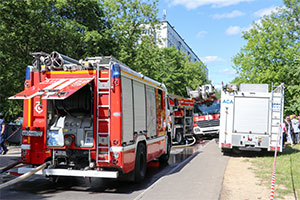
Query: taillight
[(25, 140), (226, 145)]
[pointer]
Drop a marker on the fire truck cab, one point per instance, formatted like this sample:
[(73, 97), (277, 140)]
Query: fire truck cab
[(93, 118), (206, 113)]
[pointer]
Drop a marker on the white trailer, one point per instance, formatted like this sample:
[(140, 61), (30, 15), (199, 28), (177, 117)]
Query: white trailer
[(251, 117)]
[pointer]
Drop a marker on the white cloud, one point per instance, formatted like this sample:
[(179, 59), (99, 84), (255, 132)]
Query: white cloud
[(227, 71), (211, 59), (201, 34), (257, 22), (233, 14), (193, 4), (233, 30), (265, 11)]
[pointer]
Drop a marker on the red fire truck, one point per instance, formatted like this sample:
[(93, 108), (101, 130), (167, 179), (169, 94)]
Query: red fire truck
[(91, 118), (206, 120), (181, 118)]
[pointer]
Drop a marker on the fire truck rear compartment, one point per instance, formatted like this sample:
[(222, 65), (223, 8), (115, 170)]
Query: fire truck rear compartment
[(70, 126)]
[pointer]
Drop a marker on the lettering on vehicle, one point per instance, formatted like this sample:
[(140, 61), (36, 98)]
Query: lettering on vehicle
[(228, 101), (276, 106)]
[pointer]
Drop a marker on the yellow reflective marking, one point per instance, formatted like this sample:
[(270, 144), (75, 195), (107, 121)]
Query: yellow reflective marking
[(29, 113), (72, 72), (141, 79)]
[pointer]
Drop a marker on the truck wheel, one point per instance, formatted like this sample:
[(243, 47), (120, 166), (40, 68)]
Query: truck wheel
[(140, 163), (165, 157), (179, 137)]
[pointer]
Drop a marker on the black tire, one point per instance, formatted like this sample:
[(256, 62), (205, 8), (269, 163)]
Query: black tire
[(227, 152), (179, 137), (165, 157), (140, 163)]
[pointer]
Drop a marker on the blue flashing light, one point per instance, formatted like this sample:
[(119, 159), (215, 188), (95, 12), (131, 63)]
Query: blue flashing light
[(27, 73), (116, 71)]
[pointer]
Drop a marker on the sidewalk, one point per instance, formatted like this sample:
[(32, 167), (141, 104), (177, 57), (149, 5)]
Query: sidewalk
[(201, 178), (13, 155)]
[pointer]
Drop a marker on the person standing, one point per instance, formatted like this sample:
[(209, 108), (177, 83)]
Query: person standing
[(284, 134), (295, 124), (288, 128), (2, 135)]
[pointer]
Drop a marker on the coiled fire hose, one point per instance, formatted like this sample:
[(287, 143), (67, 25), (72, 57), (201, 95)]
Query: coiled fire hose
[(24, 176), (186, 145)]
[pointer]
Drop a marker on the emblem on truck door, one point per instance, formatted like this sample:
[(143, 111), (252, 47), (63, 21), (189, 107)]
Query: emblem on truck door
[(38, 107)]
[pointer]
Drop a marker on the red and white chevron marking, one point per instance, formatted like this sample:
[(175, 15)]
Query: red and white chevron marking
[(274, 167)]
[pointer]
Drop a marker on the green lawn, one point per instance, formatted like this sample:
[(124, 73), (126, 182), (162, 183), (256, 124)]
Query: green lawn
[(287, 171)]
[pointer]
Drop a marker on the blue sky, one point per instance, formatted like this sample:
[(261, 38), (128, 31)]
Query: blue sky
[(212, 28)]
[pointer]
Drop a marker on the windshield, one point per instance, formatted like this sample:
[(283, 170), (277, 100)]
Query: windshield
[(207, 108)]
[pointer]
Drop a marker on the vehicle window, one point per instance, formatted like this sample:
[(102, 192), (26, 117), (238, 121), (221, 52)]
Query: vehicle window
[(207, 108)]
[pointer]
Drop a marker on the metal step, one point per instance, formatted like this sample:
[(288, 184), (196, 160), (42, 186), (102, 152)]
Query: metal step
[(103, 92)]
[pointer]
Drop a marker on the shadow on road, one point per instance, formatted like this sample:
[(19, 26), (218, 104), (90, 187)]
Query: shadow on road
[(38, 187)]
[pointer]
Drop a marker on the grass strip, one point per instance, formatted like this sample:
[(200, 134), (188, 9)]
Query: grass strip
[(287, 171)]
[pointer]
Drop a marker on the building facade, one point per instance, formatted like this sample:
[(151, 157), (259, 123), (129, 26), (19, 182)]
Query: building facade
[(167, 36)]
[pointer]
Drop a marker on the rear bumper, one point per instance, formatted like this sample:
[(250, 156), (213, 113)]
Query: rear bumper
[(68, 172)]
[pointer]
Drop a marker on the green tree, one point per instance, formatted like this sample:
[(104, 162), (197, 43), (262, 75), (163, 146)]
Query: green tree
[(66, 26), (127, 19), (169, 66), (272, 54), (80, 28)]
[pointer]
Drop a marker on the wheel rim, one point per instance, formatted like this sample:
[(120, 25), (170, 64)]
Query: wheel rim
[(178, 137)]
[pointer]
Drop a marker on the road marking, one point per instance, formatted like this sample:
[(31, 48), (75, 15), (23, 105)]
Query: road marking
[(180, 165)]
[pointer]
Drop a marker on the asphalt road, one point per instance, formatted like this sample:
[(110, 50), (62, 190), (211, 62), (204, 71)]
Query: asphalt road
[(37, 187)]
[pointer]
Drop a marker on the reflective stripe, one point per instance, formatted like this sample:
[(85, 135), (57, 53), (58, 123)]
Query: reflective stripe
[(29, 113), (25, 146)]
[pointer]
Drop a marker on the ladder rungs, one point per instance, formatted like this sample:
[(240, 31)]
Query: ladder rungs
[(103, 92), (103, 106), (102, 120), (103, 161), (104, 147), (103, 138), (102, 133)]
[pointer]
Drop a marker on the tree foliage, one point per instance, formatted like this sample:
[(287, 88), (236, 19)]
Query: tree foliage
[(272, 54), (80, 28), (169, 66)]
